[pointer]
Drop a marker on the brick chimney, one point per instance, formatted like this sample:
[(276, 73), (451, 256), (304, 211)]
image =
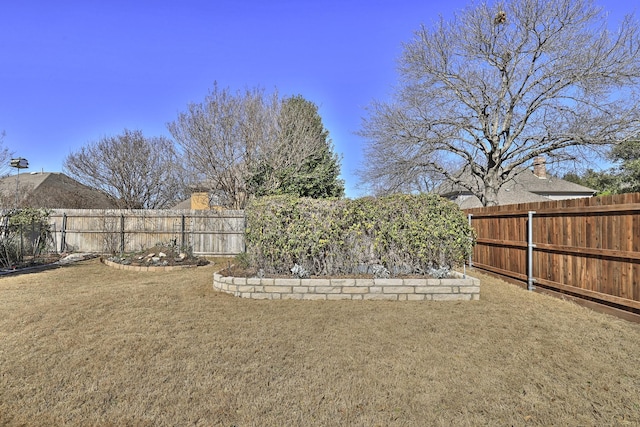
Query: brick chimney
[(540, 167)]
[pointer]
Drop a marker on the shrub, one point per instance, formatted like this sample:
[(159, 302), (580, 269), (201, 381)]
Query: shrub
[(23, 231), (403, 233)]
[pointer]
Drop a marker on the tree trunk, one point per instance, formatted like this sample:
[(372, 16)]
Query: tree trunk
[(491, 188)]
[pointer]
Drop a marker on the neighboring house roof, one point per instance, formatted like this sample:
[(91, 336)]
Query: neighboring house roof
[(524, 187), (51, 190), (185, 204)]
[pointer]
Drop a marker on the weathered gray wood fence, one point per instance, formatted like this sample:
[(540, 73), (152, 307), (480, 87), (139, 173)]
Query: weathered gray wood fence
[(113, 231)]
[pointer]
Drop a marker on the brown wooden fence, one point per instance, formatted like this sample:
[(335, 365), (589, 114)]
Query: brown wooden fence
[(107, 231), (588, 248)]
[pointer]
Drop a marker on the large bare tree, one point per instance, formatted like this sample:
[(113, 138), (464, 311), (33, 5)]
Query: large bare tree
[(482, 95), (135, 171), (219, 139), (244, 143)]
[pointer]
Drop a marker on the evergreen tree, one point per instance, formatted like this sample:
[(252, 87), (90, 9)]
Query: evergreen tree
[(302, 161), (605, 182), (627, 154)]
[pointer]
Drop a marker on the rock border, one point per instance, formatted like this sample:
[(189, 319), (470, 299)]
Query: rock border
[(144, 267), (460, 288)]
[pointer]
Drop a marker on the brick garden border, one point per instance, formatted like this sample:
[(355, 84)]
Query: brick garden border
[(144, 267), (453, 289)]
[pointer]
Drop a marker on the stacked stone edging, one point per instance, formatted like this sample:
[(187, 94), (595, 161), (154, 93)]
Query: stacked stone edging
[(144, 267), (452, 289)]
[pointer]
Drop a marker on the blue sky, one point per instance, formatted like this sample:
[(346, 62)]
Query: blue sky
[(72, 72)]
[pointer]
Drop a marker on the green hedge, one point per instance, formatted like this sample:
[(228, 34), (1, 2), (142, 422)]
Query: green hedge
[(403, 233)]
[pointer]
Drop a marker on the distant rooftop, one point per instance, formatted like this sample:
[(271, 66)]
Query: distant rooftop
[(527, 186), (52, 190)]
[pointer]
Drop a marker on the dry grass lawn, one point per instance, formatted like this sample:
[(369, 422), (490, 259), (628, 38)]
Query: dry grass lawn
[(90, 345)]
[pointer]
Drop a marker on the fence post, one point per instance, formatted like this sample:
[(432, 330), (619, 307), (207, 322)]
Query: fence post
[(183, 238), (121, 233), (21, 244), (63, 233), (34, 249), (244, 232), (471, 253), (530, 247)]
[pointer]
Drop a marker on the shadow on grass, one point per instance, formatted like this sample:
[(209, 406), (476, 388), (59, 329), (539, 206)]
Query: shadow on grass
[(64, 262)]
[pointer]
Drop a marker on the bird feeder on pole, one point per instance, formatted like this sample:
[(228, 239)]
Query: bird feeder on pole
[(19, 163)]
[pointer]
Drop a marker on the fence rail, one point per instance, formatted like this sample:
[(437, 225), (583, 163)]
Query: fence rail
[(588, 248), (107, 231)]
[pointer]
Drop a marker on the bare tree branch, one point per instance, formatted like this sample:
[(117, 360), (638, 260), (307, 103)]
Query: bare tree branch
[(135, 171), (5, 156), (245, 143)]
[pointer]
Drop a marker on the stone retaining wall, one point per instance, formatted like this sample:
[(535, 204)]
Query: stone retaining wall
[(454, 289), (143, 267)]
